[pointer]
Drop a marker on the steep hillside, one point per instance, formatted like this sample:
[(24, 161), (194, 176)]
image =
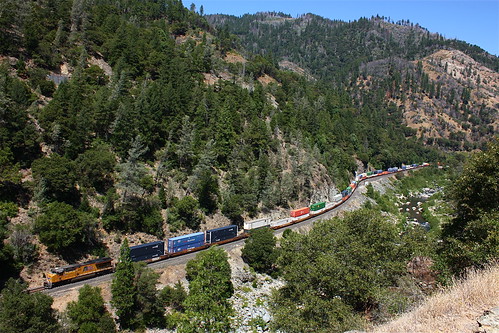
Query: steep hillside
[(128, 117), (445, 89), (449, 98)]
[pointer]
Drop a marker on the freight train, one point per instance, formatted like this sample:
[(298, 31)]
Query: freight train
[(181, 245)]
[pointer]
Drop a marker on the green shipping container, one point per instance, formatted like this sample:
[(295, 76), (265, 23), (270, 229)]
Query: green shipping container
[(370, 173), (317, 206)]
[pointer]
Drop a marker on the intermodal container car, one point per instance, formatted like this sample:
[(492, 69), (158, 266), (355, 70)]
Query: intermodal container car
[(221, 234), (147, 251), (337, 197), (280, 222), (185, 240), (370, 173), (300, 211), (317, 206)]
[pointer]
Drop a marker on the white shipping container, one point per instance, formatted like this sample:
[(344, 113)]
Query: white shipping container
[(337, 197), (256, 223)]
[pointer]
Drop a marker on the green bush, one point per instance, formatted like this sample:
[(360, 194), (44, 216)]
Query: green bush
[(185, 213), (259, 250), (63, 229)]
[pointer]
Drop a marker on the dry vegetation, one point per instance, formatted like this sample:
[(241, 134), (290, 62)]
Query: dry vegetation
[(454, 309)]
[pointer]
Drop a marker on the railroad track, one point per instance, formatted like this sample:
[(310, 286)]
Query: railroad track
[(182, 259), (35, 290)]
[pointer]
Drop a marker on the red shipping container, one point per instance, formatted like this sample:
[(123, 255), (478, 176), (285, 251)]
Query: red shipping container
[(300, 211)]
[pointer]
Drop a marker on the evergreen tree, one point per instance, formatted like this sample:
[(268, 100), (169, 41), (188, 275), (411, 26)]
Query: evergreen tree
[(173, 297), (132, 172), (149, 310), (472, 237), (7, 262), (23, 312), (185, 147), (134, 294), (75, 229), (55, 176), (89, 314), (185, 213), (259, 250), (124, 292), (207, 306)]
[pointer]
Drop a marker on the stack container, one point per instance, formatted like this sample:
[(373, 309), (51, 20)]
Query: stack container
[(370, 173), (185, 240), (256, 223), (393, 169), (300, 211), (184, 247), (221, 234), (337, 197), (147, 251), (317, 206)]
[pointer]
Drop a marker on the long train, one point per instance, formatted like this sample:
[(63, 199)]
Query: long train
[(181, 245)]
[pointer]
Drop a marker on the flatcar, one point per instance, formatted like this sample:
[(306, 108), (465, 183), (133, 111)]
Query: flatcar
[(72, 273)]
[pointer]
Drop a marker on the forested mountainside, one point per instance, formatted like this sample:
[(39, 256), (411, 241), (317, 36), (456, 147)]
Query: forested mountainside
[(446, 89), (138, 116), (136, 120)]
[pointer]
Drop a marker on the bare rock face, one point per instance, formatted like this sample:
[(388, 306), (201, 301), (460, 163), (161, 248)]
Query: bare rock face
[(489, 321)]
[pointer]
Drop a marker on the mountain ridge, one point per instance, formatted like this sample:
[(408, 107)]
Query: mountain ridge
[(389, 54)]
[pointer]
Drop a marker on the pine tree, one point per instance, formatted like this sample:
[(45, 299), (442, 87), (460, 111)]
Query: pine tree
[(124, 292), (89, 314), (185, 148), (24, 312), (132, 171), (149, 309)]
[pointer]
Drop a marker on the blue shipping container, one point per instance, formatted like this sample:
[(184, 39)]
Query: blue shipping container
[(220, 234), (185, 239), (147, 251), (184, 247)]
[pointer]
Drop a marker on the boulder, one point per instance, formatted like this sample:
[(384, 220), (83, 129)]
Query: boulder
[(489, 321)]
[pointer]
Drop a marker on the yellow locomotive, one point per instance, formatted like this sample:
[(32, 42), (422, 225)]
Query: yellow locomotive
[(71, 273)]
